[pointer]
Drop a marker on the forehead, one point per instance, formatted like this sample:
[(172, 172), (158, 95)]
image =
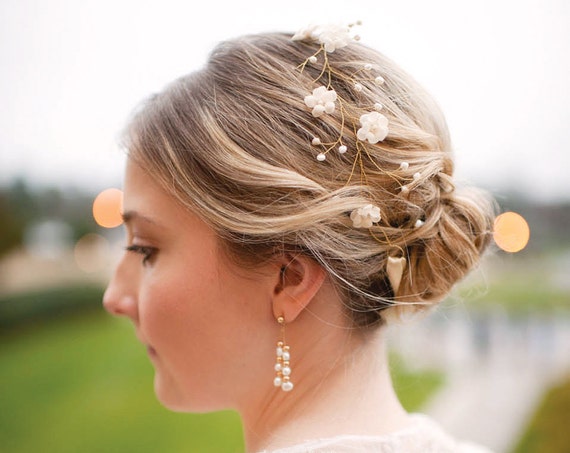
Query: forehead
[(146, 202), (139, 185), (144, 197)]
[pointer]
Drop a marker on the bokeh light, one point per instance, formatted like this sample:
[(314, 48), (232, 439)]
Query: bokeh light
[(511, 232), (107, 208)]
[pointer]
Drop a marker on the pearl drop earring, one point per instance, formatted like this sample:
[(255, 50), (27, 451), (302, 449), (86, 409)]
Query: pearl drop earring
[(283, 367)]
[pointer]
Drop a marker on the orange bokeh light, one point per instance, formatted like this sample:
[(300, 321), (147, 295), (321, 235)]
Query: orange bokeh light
[(511, 232), (107, 208)]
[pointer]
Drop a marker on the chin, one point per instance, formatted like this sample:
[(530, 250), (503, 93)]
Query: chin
[(172, 398), (168, 394)]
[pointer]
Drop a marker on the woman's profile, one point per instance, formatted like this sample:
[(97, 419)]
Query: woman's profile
[(283, 205)]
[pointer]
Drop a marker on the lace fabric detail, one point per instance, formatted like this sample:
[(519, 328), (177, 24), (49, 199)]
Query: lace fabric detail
[(423, 436)]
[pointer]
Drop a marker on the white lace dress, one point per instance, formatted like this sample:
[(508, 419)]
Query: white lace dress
[(422, 436)]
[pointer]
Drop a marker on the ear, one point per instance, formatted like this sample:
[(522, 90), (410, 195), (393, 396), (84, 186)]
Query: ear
[(299, 280)]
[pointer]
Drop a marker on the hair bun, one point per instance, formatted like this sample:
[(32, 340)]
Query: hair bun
[(457, 234)]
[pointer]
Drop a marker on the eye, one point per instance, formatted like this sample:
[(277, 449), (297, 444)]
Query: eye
[(146, 252)]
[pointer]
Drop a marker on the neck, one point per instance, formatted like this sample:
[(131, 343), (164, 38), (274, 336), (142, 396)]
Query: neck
[(342, 386)]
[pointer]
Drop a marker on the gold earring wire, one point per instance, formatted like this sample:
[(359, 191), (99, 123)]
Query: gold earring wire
[(283, 366)]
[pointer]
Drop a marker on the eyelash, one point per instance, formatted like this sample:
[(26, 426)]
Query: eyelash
[(146, 252)]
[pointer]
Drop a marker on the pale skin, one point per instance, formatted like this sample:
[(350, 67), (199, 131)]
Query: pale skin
[(210, 328)]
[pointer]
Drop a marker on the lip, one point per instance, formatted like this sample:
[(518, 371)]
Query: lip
[(151, 351)]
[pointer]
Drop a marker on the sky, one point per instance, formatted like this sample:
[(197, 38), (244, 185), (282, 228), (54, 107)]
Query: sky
[(73, 71)]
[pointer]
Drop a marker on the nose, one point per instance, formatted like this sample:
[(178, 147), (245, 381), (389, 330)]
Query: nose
[(120, 298)]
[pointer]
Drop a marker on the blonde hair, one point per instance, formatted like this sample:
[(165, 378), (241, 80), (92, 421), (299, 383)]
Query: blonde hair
[(232, 142)]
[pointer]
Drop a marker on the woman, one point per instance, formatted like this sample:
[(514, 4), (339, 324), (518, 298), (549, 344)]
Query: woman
[(282, 205)]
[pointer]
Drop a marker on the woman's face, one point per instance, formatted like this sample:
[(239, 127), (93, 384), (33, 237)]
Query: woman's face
[(207, 324)]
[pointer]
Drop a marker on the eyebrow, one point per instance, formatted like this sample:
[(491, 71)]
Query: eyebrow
[(129, 216)]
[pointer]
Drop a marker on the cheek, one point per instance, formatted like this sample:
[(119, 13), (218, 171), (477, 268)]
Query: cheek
[(177, 302), (188, 316)]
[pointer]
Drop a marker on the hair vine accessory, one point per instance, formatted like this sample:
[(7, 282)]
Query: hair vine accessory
[(282, 366), (324, 99), (370, 127)]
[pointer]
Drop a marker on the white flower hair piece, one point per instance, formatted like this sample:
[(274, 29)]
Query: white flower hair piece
[(365, 216), (368, 129), (321, 101), (331, 36), (374, 127), (325, 100)]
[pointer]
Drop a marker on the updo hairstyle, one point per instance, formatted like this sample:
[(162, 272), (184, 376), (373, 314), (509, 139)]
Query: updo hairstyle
[(232, 143)]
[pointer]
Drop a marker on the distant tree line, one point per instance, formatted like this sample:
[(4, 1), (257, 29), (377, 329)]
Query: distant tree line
[(22, 205)]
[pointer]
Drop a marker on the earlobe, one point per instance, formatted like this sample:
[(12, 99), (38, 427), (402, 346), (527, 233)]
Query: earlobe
[(299, 280)]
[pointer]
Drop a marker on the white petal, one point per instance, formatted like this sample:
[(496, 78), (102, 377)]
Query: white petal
[(372, 138), (310, 101), (304, 33), (318, 92), (318, 110), (329, 96), (381, 134)]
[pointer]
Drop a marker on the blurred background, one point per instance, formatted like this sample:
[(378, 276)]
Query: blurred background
[(492, 364)]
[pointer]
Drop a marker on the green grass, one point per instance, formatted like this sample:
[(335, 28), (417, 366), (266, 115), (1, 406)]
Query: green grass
[(548, 429), (414, 388), (83, 384), (521, 296)]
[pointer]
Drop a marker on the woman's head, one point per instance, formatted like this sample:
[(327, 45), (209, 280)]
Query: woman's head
[(234, 143)]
